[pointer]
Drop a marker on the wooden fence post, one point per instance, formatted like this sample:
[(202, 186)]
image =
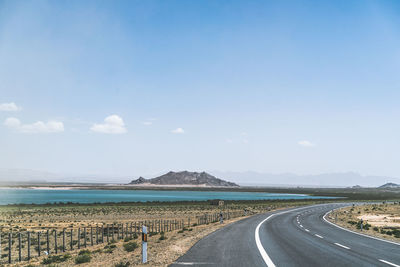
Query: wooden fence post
[(55, 241), (102, 233), (63, 246), (108, 233), (48, 242), (84, 236), (9, 246), (29, 246), (79, 238), (38, 243), (91, 235), (19, 247)]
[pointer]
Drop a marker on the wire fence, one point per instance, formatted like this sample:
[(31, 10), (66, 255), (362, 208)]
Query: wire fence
[(24, 245)]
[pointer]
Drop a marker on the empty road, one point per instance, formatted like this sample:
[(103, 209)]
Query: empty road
[(296, 237)]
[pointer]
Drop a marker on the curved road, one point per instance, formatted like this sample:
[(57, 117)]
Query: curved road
[(295, 237)]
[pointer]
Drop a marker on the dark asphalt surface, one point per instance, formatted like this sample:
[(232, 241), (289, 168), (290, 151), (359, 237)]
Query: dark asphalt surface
[(299, 237)]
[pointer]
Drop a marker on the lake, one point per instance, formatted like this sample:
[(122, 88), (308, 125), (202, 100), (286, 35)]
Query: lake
[(42, 196)]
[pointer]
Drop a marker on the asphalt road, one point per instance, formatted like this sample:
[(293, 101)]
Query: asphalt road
[(297, 237)]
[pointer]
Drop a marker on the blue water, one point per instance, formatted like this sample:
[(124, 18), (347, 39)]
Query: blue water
[(42, 196)]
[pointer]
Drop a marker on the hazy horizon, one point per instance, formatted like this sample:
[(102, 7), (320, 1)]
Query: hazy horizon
[(246, 178), (113, 88)]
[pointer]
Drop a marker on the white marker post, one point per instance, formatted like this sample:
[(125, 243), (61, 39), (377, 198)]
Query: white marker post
[(144, 244)]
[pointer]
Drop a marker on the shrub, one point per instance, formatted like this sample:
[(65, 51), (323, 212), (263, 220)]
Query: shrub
[(127, 239), (131, 246), (109, 250), (83, 258), (84, 251), (162, 237), (123, 264), (56, 259)]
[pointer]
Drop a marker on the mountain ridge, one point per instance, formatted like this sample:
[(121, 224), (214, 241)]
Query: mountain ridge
[(185, 178)]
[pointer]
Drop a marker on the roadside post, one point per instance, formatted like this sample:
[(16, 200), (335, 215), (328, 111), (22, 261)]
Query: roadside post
[(144, 244), (361, 224)]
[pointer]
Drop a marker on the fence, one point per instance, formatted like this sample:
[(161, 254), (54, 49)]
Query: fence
[(23, 245)]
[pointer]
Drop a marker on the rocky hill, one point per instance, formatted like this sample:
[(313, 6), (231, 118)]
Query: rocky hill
[(390, 185), (184, 178)]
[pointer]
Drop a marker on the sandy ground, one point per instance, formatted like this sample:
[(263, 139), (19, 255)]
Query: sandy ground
[(384, 219)]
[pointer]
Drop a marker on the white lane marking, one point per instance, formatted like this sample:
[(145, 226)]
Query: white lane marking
[(318, 236), (307, 230), (263, 253), (340, 245), (301, 226), (388, 262), (376, 238)]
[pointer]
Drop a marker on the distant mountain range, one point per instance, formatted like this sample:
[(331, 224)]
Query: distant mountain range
[(344, 179), (185, 178), (28, 176)]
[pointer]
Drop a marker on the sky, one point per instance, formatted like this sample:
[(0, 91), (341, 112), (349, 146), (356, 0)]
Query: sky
[(143, 87)]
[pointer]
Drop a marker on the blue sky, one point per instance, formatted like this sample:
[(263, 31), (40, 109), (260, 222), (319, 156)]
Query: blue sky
[(269, 86)]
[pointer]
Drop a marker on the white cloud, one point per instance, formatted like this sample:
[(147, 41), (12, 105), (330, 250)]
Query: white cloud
[(147, 123), (178, 131), (37, 127), (306, 143), (9, 107), (112, 125)]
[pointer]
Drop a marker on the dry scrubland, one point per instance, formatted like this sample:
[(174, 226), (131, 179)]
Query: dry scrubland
[(380, 220), (163, 249), (31, 217)]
